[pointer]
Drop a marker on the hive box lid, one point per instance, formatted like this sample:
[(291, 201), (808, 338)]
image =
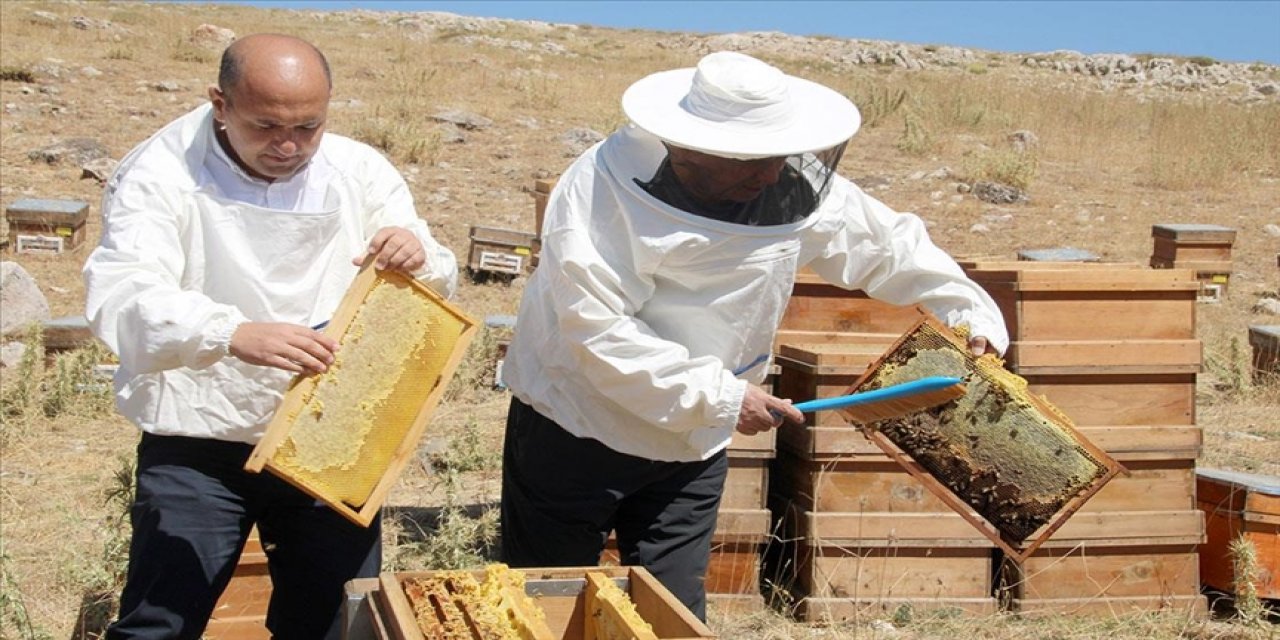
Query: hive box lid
[(1194, 232), (46, 211)]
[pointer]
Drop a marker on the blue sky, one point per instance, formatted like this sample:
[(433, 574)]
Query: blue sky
[(1237, 31)]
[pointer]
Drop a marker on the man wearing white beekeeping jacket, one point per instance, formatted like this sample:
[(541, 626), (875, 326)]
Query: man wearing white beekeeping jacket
[(229, 237), (669, 252)]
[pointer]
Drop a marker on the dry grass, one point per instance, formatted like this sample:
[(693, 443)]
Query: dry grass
[(1109, 164)]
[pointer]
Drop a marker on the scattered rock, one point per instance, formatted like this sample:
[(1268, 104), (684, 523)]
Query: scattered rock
[(76, 150), (212, 37), (980, 229), (450, 134), (463, 119), (99, 169), (1272, 230), (11, 353), (579, 139), (997, 193), (90, 72), (1268, 306), (1023, 140), (45, 18), (166, 86), (21, 299)]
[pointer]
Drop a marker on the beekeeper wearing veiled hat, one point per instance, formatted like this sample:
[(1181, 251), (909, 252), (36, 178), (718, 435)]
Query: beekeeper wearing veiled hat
[(669, 252)]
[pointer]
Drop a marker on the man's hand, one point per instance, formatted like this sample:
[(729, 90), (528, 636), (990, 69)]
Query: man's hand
[(759, 409), (282, 345), (394, 248), (978, 345)]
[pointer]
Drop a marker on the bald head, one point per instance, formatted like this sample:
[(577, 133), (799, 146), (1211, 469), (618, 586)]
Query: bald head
[(272, 59), (271, 103)]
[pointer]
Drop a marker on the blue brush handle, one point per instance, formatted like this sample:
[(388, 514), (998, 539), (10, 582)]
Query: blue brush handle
[(906, 389)]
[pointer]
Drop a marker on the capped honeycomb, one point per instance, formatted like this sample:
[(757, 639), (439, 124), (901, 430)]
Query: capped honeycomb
[(1009, 455), (611, 613), (343, 435), (453, 605)]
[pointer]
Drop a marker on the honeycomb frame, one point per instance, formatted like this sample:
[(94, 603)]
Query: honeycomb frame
[(1006, 460), (351, 460)]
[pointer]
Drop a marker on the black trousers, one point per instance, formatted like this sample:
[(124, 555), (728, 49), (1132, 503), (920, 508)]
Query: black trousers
[(194, 509), (562, 495)]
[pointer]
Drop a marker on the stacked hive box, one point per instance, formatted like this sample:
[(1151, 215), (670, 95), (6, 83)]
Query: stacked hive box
[(1202, 248), (857, 533), (1114, 347)]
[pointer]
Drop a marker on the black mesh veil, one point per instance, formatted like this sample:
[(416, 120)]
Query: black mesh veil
[(803, 182)]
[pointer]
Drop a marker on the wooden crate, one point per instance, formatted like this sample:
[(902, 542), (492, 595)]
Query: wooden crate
[(241, 610), (1160, 461), (1044, 301), (830, 583), (818, 306), (1120, 399), (46, 226), (560, 594), (541, 192), (1236, 505), (811, 371), (1098, 577), (747, 484), (1264, 340), (501, 251), (1178, 243)]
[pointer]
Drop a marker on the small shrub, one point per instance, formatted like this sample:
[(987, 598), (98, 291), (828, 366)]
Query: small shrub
[(976, 68), (13, 608), (1245, 569), (16, 74), (1008, 167), (880, 103), (121, 53), (916, 139), (1202, 61)]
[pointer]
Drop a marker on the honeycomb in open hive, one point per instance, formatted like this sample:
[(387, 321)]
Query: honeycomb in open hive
[(1012, 457), (453, 605), (356, 414)]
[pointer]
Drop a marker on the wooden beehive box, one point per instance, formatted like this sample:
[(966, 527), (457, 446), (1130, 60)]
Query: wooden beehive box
[(819, 306), (1122, 301), (1264, 341), (241, 610), (400, 343), (1203, 248), (1101, 579), (499, 251), (46, 226), (1240, 505), (560, 593)]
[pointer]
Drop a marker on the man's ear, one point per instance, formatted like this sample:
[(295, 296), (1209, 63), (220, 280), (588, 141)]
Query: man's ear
[(219, 102)]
